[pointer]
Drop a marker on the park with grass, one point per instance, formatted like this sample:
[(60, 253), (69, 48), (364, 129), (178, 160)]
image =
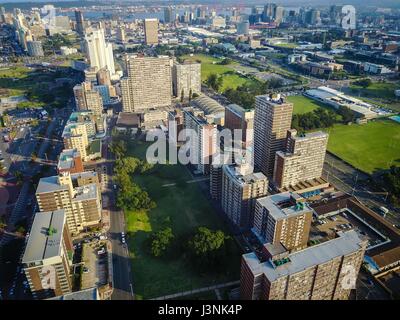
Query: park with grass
[(302, 104), (211, 65), (180, 207), (370, 147)]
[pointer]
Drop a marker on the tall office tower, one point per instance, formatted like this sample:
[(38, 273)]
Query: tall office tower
[(2, 15), (240, 188), (204, 144), (76, 137), (121, 34), (243, 28), (186, 78), (35, 48), (272, 120), (148, 83), (87, 98), (303, 159), (268, 12), (103, 77), (335, 14), (313, 17), (80, 22), (72, 192), (238, 118), (99, 52), (151, 31), (70, 160), (48, 254), (320, 272), (168, 15), (278, 14), (283, 218)]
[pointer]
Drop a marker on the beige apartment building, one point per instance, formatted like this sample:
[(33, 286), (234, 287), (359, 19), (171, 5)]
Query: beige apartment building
[(272, 120), (240, 187), (148, 83), (76, 138), (151, 31), (78, 194), (186, 78), (48, 255), (319, 272), (87, 98), (303, 159), (283, 218)]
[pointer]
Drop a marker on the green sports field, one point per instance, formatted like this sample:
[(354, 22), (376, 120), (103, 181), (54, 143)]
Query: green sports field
[(303, 104), (209, 66), (369, 147), (183, 207)]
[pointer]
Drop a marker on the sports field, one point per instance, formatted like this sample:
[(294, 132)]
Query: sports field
[(369, 147), (303, 104), (209, 66), (183, 207)]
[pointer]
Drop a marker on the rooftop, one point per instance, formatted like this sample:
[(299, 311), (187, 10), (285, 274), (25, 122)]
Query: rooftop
[(45, 237), (346, 243), (86, 294), (208, 105), (66, 159), (283, 205)]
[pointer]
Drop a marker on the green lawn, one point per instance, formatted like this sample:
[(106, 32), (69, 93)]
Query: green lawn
[(182, 207), (303, 104), (369, 147), (377, 90), (209, 66)]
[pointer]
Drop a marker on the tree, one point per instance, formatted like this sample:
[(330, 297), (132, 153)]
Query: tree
[(1, 168), (3, 223), (160, 241), (391, 181), (19, 176), (118, 148), (363, 82), (127, 165), (195, 95), (214, 81), (190, 94), (347, 114), (206, 241)]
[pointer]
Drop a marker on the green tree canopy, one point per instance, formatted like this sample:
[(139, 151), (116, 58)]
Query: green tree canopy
[(160, 241)]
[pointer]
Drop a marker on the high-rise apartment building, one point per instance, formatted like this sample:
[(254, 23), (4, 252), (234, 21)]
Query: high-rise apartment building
[(243, 28), (151, 31), (48, 255), (80, 22), (186, 79), (240, 187), (76, 137), (238, 118), (103, 77), (303, 159), (72, 192), (204, 144), (148, 83), (278, 14), (319, 272), (272, 120), (283, 218), (99, 52), (87, 98)]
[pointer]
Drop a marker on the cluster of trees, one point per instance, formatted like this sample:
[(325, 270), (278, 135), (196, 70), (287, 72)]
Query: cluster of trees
[(205, 247), (245, 95), (55, 42), (214, 81), (318, 118), (391, 181), (365, 83), (130, 195)]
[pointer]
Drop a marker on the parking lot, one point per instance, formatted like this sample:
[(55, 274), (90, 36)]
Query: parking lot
[(325, 228), (95, 270)]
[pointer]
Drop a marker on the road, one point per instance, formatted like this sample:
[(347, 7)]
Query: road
[(350, 180), (122, 274)]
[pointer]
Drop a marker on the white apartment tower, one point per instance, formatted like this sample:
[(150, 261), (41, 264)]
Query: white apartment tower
[(99, 52)]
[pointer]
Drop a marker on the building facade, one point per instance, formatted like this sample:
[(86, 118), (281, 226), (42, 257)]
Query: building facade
[(48, 254), (148, 83), (272, 120), (151, 31), (303, 159), (186, 79)]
